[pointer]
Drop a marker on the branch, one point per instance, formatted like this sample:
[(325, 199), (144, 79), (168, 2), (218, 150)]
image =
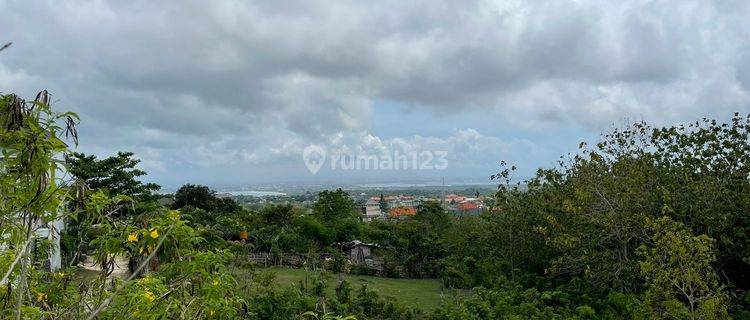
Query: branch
[(18, 258)]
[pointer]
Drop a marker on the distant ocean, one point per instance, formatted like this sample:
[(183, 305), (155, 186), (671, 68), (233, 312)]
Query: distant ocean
[(254, 193), (425, 184)]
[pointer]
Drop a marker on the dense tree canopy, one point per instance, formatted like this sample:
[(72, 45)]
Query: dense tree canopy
[(117, 174), (203, 197)]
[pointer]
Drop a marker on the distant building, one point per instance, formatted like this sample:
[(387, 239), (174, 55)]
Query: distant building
[(401, 201), (454, 198), (468, 208), (462, 206), (399, 212), (51, 231), (371, 211), (48, 232)]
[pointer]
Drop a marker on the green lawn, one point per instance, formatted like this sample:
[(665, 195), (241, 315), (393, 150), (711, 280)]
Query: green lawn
[(425, 294)]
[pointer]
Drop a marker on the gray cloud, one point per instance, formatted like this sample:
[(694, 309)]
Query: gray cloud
[(248, 82)]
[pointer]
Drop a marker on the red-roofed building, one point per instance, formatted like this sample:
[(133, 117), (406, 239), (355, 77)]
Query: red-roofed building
[(467, 206), (401, 212), (454, 198)]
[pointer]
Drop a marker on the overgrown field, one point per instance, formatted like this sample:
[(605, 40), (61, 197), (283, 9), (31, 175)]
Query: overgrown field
[(425, 294)]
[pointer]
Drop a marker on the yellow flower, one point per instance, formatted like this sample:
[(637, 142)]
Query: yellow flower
[(154, 234), (41, 297), (149, 296), (216, 282), (132, 237), (174, 214), (58, 275), (147, 280)]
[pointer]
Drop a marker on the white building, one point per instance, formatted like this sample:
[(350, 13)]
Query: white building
[(52, 233), (401, 201), (44, 230), (371, 211)]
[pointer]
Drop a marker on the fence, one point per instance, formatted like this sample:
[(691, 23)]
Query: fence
[(297, 260)]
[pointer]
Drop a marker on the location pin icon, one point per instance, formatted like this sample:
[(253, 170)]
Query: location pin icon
[(314, 156)]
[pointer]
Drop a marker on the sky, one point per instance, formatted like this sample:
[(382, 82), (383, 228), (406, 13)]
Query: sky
[(232, 92)]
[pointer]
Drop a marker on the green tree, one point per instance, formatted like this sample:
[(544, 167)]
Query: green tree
[(278, 215), (334, 206), (705, 167), (383, 203), (117, 174), (337, 212), (203, 197), (681, 282), (434, 216), (596, 207), (196, 196)]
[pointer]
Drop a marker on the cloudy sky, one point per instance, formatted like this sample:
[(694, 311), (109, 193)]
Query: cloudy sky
[(231, 92)]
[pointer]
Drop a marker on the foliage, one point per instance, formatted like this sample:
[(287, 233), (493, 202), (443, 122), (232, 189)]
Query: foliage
[(265, 299), (191, 283), (680, 280), (513, 304), (334, 205), (326, 316), (32, 193), (117, 174), (336, 211), (204, 198)]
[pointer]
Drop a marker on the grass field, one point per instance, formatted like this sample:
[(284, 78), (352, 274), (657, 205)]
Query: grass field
[(424, 294)]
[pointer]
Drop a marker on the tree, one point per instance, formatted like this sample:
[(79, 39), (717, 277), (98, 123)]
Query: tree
[(334, 205), (336, 211), (383, 203), (680, 279), (433, 216), (196, 196), (596, 207), (278, 215), (117, 174), (203, 197), (599, 201), (705, 167)]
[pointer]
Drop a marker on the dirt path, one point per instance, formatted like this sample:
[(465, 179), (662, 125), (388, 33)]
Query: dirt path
[(120, 270)]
